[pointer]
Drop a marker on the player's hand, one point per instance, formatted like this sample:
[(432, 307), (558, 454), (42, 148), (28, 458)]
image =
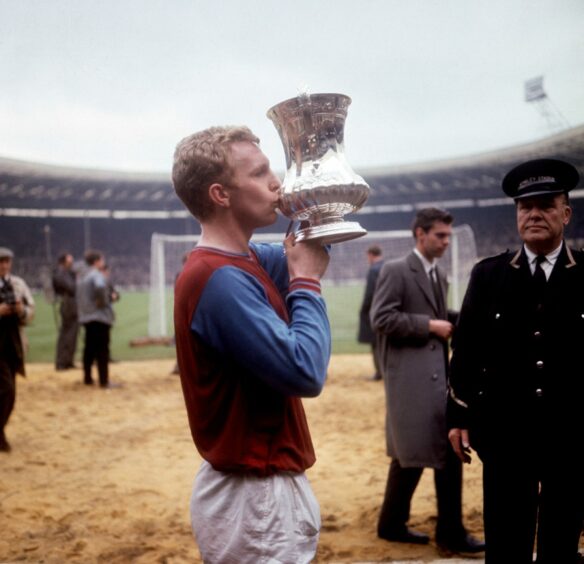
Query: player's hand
[(459, 440), (307, 259)]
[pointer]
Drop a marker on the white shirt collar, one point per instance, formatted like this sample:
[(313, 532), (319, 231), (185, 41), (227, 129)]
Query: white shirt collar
[(550, 257), (549, 262), (425, 262)]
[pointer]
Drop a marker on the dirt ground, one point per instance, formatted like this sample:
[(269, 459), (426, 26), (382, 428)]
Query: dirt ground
[(105, 475)]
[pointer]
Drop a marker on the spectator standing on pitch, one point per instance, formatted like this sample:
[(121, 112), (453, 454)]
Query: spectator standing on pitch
[(64, 284), (252, 338), (517, 381), (413, 326), (97, 316), (366, 334), (16, 310)]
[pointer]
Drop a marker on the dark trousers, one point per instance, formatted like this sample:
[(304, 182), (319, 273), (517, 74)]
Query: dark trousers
[(401, 484), (7, 393), (524, 494), (97, 338)]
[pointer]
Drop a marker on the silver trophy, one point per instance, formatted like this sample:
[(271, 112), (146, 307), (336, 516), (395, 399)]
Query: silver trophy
[(319, 187)]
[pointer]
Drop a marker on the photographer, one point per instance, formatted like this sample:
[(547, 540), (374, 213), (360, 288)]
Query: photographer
[(16, 310)]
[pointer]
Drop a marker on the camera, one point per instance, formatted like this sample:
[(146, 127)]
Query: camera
[(7, 295)]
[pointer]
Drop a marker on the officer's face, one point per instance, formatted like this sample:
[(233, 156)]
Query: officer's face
[(541, 221), (434, 242)]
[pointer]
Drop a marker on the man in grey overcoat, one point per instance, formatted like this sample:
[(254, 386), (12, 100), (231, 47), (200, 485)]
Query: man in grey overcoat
[(413, 326)]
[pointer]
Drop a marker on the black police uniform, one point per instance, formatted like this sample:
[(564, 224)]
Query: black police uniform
[(517, 384)]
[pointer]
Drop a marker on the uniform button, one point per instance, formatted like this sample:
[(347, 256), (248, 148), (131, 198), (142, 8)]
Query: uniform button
[(537, 334), (432, 346), (484, 370), (434, 376), (539, 392), (539, 364), (481, 393), (497, 315)]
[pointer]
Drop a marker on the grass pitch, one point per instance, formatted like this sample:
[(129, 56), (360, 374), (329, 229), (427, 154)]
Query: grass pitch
[(343, 303)]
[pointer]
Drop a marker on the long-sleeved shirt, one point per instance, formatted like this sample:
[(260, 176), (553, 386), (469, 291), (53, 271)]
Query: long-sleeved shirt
[(249, 345)]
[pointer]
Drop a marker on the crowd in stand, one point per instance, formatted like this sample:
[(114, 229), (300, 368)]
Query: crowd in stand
[(128, 249)]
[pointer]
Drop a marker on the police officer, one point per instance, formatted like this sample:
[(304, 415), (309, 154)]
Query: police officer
[(517, 380)]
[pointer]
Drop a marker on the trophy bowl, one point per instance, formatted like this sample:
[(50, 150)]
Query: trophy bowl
[(319, 186)]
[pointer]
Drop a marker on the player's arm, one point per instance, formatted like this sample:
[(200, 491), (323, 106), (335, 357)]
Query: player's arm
[(234, 317)]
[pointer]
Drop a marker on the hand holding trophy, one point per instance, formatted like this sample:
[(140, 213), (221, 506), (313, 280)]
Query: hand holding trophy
[(319, 187)]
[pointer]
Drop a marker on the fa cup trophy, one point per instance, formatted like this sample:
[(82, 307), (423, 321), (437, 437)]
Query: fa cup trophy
[(319, 187)]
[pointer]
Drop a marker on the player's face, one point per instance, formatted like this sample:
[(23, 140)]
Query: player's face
[(541, 221), (433, 243), (254, 188)]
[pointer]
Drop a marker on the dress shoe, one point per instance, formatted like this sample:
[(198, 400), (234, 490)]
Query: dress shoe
[(110, 385), (467, 543), (405, 535)]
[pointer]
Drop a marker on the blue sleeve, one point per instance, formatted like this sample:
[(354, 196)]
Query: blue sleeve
[(235, 318), (273, 261)]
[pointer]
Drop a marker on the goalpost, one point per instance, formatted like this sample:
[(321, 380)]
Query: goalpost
[(347, 268)]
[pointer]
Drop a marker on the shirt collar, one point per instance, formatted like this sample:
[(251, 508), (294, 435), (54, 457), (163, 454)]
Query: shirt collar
[(425, 262), (550, 257)]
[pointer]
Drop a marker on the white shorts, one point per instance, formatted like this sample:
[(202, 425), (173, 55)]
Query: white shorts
[(239, 519)]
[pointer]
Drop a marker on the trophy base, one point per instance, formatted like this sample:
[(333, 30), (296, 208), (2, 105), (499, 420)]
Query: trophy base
[(330, 233)]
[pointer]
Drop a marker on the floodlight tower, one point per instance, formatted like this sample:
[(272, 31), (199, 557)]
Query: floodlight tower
[(534, 93)]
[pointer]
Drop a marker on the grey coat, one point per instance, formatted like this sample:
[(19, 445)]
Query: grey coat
[(93, 298), (413, 362)]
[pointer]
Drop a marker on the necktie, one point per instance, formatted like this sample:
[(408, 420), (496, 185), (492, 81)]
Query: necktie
[(539, 277), (437, 292)]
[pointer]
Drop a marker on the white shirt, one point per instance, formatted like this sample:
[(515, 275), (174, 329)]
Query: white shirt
[(547, 265), (428, 266)]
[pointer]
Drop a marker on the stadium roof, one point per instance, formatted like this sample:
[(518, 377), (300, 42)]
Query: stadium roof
[(35, 189), (470, 180)]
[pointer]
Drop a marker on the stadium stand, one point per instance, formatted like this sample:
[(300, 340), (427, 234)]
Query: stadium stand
[(46, 209)]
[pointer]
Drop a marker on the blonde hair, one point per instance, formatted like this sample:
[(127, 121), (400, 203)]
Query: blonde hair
[(202, 159)]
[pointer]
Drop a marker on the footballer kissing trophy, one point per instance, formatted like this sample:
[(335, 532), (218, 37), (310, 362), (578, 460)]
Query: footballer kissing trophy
[(319, 187)]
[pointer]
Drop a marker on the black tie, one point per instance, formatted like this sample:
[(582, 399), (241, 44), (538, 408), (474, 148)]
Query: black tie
[(539, 275), (437, 292)]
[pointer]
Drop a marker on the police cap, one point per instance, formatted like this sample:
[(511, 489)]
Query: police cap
[(540, 177), (6, 253)]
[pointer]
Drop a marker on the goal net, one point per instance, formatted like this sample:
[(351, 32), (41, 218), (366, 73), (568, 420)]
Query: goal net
[(343, 284)]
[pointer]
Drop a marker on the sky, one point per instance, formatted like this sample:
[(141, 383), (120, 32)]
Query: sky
[(115, 84)]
